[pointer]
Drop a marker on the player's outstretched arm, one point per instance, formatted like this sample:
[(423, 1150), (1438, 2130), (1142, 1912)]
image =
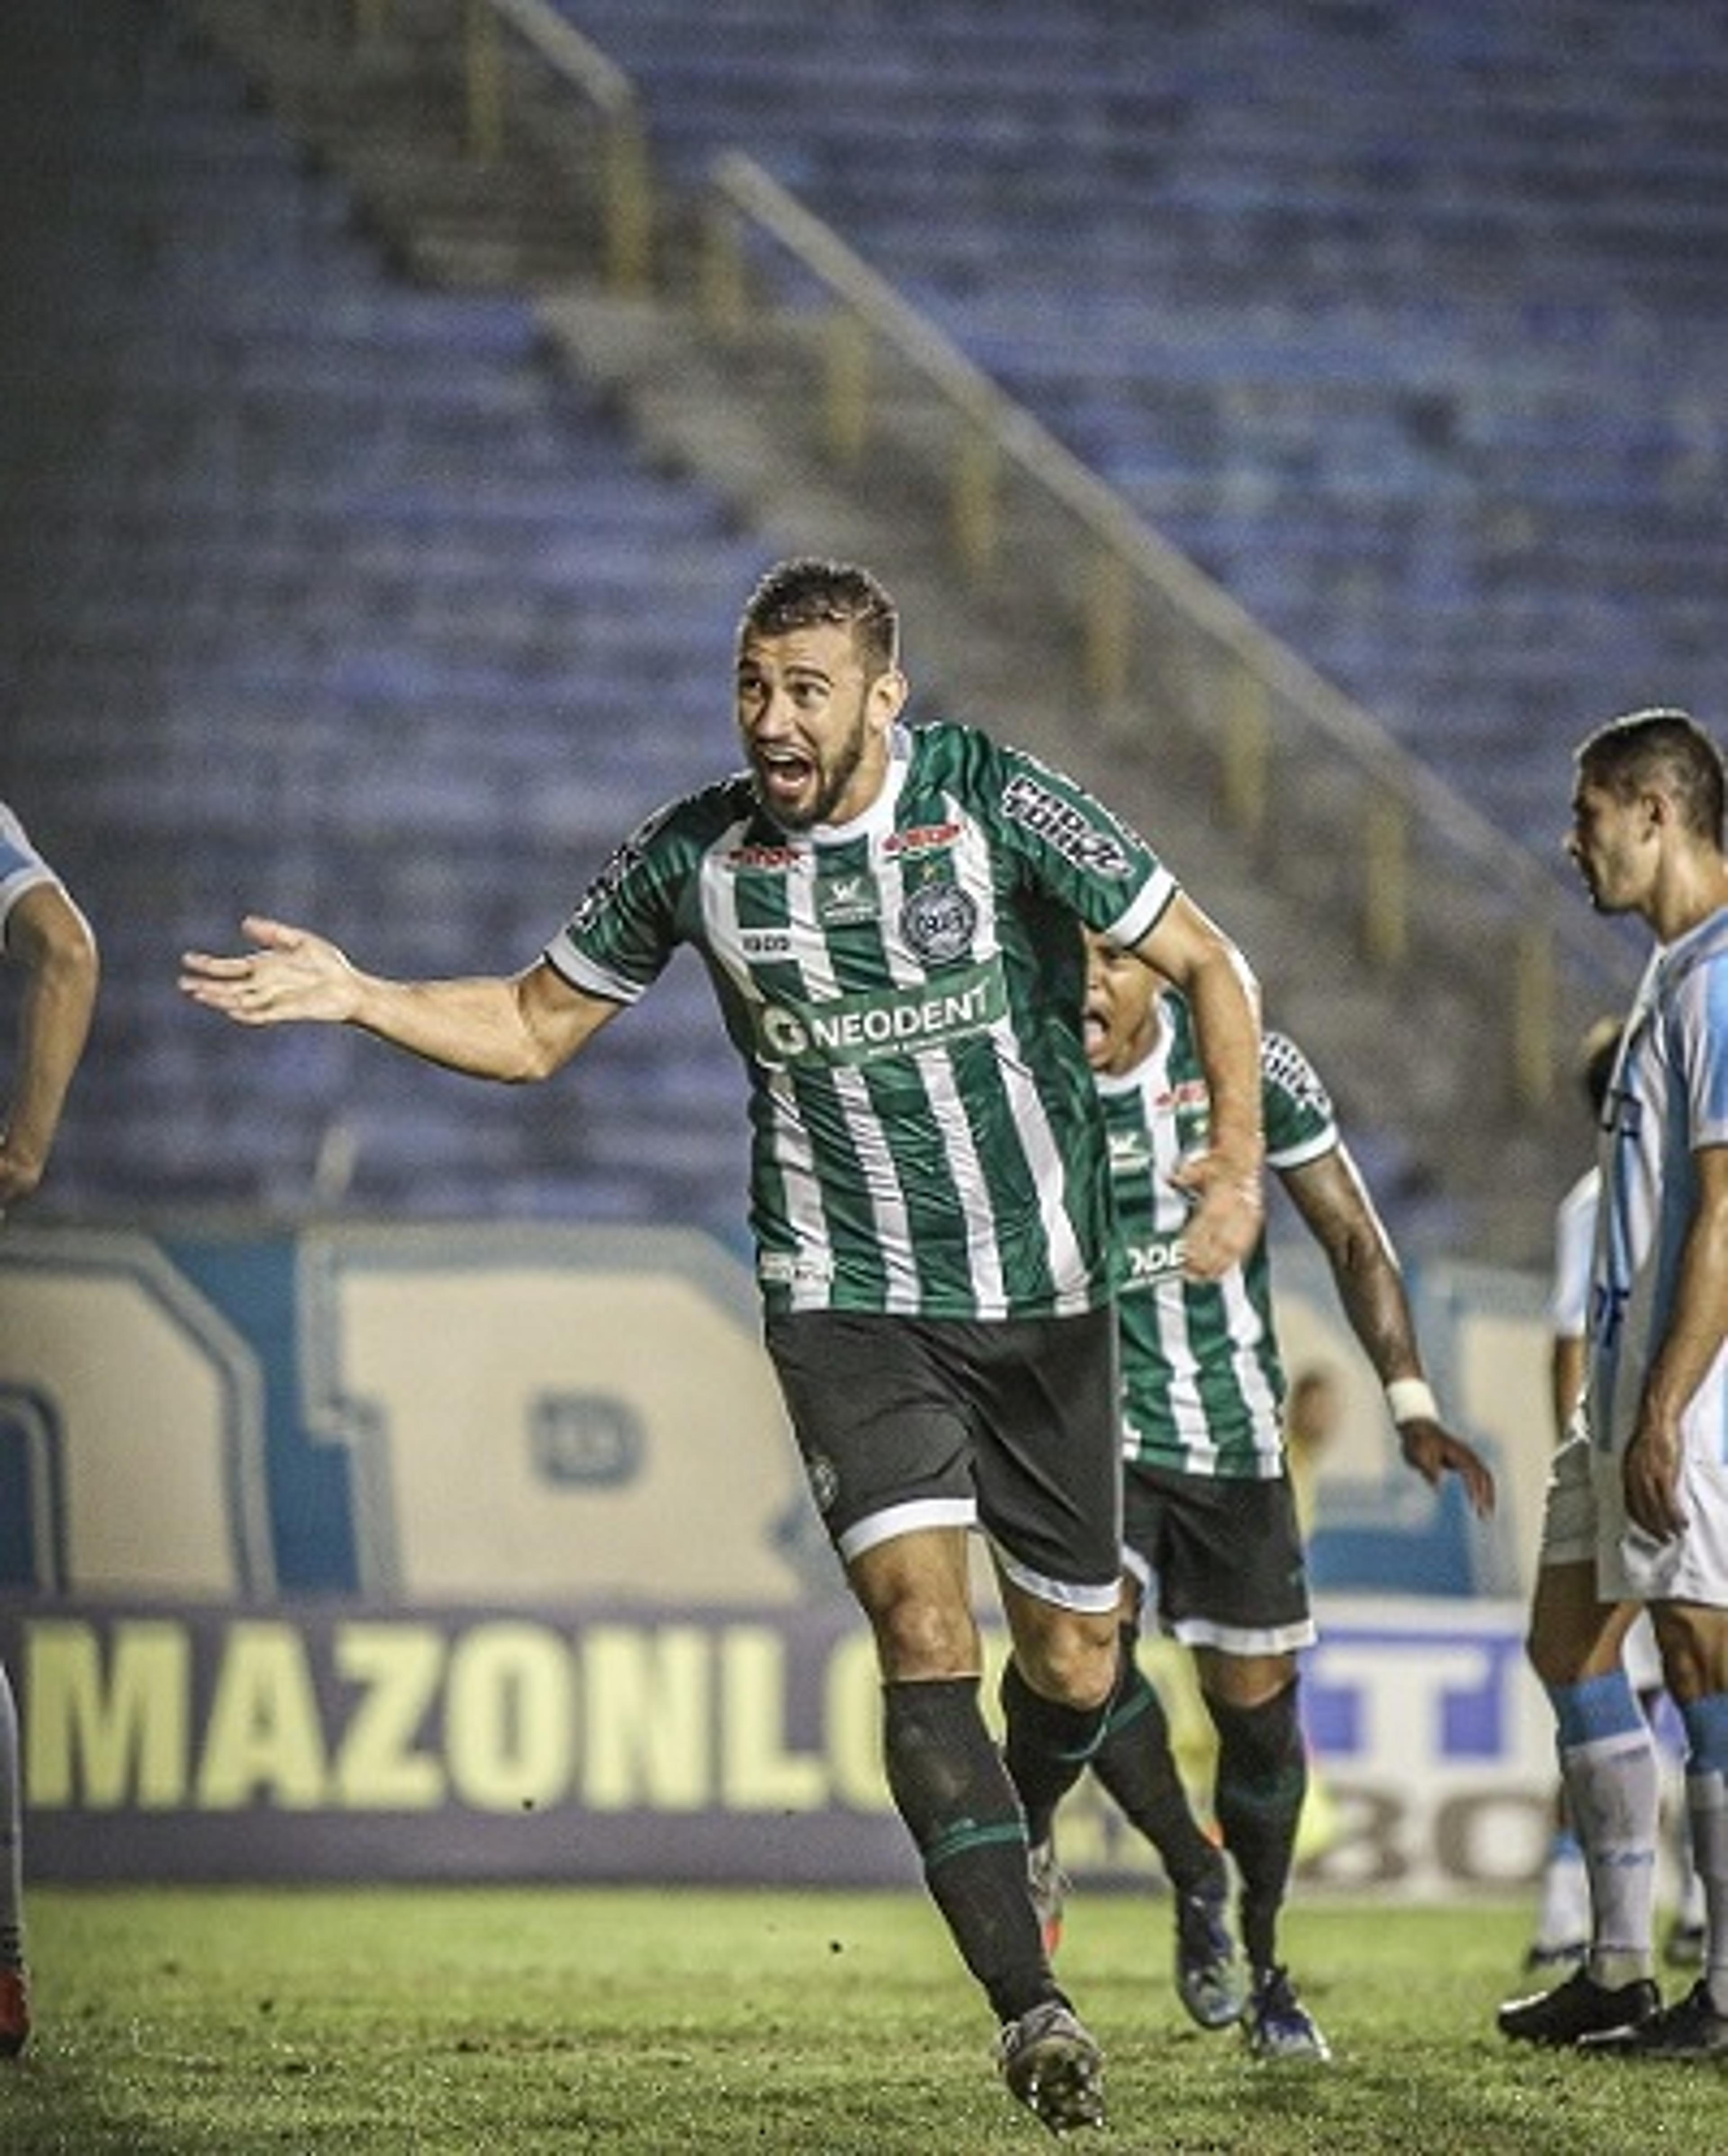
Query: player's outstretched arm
[(510, 1028), (1330, 1194)]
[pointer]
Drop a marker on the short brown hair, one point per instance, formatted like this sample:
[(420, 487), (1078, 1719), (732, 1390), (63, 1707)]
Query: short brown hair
[(1661, 746), (801, 592)]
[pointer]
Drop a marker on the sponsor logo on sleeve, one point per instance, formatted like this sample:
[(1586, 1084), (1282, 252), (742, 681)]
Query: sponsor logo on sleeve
[(1287, 1067), (600, 895), (1066, 829)]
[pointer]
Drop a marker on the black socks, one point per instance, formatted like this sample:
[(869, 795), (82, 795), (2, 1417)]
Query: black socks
[(952, 1790)]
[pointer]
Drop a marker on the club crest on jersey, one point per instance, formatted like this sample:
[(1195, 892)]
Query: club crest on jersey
[(937, 921)]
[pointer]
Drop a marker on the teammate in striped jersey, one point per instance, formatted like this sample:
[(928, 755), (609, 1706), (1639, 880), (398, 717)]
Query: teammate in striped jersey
[(891, 920), (42, 930), (1637, 1514), (1210, 1518)]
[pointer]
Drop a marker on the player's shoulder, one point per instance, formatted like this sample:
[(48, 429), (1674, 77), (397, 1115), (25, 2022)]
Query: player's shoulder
[(13, 837), (694, 821), (959, 752), (1705, 949), (951, 752)]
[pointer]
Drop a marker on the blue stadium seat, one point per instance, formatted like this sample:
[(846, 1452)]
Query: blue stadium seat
[(1367, 309), (327, 595)]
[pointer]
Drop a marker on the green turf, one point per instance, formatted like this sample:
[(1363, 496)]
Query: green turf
[(486, 2022)]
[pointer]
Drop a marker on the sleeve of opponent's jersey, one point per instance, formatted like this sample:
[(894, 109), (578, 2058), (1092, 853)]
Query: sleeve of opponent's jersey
[(623, 930), (1301, 1123), (1574, 1239), (1072, 846), (1701, 1020), (22, 868)]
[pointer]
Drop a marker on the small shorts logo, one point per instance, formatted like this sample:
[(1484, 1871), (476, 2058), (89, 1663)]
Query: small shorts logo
[(937, 921), (824, 1482)]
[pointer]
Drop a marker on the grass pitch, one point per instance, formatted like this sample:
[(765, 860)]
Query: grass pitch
[(490, 2022)]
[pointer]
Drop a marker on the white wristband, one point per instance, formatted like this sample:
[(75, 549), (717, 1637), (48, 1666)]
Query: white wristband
[(1411, 1399)]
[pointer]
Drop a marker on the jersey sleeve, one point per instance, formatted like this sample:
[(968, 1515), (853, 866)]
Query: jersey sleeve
[(1701, 1024), (625, 926), (22, 868), (1301, 1123), (1574, 1241), (1072, 847)]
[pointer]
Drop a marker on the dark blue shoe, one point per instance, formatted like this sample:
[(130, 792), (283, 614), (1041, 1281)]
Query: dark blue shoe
[(1209, 1973), (1277, 2024)]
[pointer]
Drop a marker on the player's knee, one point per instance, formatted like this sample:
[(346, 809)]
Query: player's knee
[(1073, 1657), (919, 1637)]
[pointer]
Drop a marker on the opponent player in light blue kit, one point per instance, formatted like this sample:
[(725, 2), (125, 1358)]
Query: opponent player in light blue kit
[(44, 931), (1563, 1916), (1210, 1522), (891, 918), (1638, 1503)]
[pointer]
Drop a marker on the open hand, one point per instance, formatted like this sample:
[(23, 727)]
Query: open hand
[(1432, 1451), (293, 974)]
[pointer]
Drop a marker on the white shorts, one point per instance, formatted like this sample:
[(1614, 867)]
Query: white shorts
[(1584, 1521)]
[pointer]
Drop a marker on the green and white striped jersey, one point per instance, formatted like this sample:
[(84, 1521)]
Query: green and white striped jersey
[(905, 992), (1202, 1385)]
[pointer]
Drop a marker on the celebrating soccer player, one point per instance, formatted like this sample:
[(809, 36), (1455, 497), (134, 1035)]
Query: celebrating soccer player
[(889, 917)]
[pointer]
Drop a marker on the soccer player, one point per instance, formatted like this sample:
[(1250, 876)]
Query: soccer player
[(1211, 1524), (1563, 1911), (1637, 1515), (890, 916), (45, 933)]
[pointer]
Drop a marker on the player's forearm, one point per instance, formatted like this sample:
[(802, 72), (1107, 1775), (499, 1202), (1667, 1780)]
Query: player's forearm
[(473, 1026), (1225, 1001), (1371, 1291), (1333, 1201), (54, 1025)]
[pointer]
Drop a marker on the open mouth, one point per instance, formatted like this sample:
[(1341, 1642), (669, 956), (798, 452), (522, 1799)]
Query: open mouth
[(782, 774), (1094, 1033)]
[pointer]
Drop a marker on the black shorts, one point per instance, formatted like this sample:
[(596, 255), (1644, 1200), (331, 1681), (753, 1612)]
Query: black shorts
[(1224, 1555), (907, 1422)]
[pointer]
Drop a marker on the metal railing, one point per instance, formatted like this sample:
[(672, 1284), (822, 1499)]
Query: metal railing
[(490, 32), (1425, 876), (626, 207), (1426, 865)]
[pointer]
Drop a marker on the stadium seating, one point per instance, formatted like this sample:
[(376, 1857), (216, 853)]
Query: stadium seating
[(1404, 322), (327, 596)]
